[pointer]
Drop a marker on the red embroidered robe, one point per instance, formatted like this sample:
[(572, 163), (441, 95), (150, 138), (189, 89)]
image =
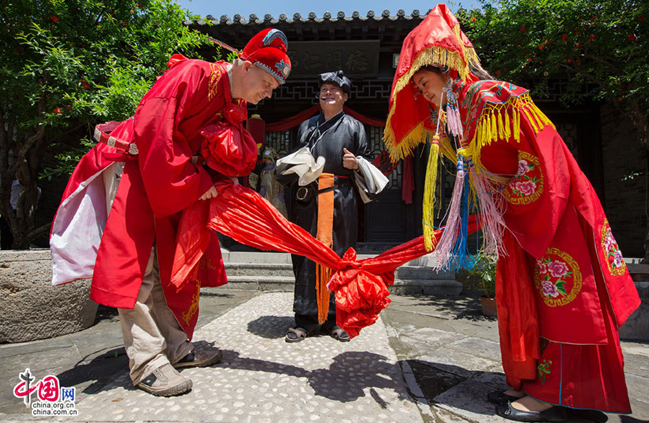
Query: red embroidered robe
[(563, 279)]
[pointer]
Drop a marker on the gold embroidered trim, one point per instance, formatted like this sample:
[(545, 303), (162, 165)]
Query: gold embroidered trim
[(213, 83)]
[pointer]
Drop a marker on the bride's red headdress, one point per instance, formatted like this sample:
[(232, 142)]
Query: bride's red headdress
[(437, 41)]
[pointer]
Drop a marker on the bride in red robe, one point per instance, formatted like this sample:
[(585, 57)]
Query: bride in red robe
[(563, 289)]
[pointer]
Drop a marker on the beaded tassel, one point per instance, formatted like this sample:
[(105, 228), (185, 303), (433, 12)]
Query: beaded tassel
[(453, 118), (444, 252)]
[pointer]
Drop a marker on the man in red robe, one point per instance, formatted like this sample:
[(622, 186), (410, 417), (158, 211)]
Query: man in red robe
[(121, 228)]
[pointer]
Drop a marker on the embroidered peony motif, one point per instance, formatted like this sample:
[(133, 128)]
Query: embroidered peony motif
[(524, 188), (527, 185), (557, 278), (524, 167), (558, 269), (543, 268), (549, 289), (614, 259)]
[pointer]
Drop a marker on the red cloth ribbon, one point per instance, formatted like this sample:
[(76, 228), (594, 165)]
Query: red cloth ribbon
[(360, 286), (228, 148)]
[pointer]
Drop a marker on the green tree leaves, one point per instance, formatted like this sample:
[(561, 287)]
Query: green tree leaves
[(599, 46), (67, 65)]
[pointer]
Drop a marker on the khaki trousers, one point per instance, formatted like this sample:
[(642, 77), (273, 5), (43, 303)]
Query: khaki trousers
[(152, 335)]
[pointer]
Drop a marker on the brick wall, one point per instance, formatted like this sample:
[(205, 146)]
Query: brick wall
[(625, 198)]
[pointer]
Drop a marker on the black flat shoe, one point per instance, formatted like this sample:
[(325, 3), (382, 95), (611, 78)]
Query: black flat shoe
[(592, 415), (499, 397), (552, 414)]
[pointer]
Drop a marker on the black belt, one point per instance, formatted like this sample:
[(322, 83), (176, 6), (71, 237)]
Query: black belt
[(303, 192), (338, 182)]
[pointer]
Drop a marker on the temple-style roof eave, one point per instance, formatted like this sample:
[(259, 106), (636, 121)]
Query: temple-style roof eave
[(253, 19)]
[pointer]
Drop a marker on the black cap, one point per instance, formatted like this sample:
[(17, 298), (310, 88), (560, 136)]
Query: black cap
[(338, 78)]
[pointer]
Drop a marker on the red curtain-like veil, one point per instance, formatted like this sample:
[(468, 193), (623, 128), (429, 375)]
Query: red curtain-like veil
[(359, 286)]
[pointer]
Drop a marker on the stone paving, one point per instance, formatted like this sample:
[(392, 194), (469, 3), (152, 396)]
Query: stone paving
[(426, 359), (454, 355), (262, 378)]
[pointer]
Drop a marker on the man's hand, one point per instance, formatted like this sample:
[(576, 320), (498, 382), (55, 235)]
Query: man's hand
[(349, 160), (211, 193), (234, 179)]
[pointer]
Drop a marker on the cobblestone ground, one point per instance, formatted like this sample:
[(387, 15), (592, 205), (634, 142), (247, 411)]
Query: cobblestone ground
[(264, 379), (447, 353)]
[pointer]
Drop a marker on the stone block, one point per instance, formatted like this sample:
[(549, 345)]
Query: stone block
[(243, 285), (639, 272), (459, 363), (421, 272), (261, 282), (275, 286), (31, 308), (256, 257), (254, 269), (479, 347), (438, 287), (465, 402), (636, 327)]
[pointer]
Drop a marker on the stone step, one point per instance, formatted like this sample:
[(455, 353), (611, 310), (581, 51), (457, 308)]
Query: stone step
[(374, 248), (426, 261), (272, 271), (265, 256), (261, 283), (259, 269), (439, 287), (255, 257), (443, 288), (280, 268), (420, 272)]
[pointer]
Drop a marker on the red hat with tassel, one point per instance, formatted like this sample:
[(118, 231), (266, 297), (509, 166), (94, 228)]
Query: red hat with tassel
[(267, 50)]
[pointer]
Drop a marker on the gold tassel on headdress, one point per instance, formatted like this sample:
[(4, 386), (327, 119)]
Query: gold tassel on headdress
[(430, 185)]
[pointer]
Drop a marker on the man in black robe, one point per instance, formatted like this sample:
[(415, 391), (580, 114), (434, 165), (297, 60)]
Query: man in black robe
[(338, 138)]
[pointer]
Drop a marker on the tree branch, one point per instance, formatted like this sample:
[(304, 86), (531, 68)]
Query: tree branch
[(639, 122), (36, 232), (27, 144), (5, 145), (3, 132), (609, 64), (67, 132)]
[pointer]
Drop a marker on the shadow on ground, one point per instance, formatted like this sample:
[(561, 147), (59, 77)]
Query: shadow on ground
[(271, 327), (99, 371), (205, 293), (344, 380), (466, 306)]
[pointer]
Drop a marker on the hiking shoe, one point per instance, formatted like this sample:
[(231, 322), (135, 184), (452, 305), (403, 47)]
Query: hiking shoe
[(165, 381), (200, 358)]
